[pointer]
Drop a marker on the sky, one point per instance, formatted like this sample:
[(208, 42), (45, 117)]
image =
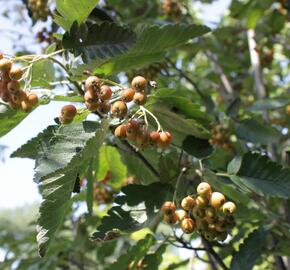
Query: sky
[(17, 186)]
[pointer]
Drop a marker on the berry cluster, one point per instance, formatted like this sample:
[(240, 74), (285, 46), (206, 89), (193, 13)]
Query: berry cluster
[(172, 9), (100, 98), (208, 213), (221, 137), (39, 9), (10, 90), (47, 36)]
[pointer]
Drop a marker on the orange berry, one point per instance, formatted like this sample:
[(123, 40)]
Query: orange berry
[(154, 137), (119, 109), (13, 86), (120, 131), (204, 189), (92, 84), (32, 99), (140, 98), (92, 106), (139, 83), (5, 65), (15, 73), (229, 208), (217, 199), (19, 96), (105, 93), (25, 106), (188, 203), (170, 219), (104, 107), (68, 111), (128, 94), (187, 225), (168, 208), (201, 202), (181, 214), (164, 139)]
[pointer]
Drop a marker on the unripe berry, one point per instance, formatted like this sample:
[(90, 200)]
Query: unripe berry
[(68, 111), (140, 98), (105, 93), (229, 208), (5, 65), (104, 107), (154, 137), (32, 99), (128, 94), (188, 203), (204, 190), (187, 225), (164, 139), (217, 199), (201, 202), (210, 212), (15, 73), (168, 208), (139, 83), (13, 86), (92, 84), (170, 219), (181, 214), (120, 131), (119, 109)]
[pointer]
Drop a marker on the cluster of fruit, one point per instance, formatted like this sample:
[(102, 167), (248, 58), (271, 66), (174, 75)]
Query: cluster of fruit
[(98, 98), (47, 36), (10, 89), (136, 132), (172, 9), (39, 9), (220, 137), (208, 213)]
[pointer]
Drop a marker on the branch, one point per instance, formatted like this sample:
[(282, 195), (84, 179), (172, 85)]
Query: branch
[(212, 252)]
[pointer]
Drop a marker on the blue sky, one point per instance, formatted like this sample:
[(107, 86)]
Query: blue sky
[(17, 186)]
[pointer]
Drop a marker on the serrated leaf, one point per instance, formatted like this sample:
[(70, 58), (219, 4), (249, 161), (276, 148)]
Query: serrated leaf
[(133, 255), (252, 130), (42, 74), (268, 104), (137, 208), (110, 162), (73, 10), (9, 119), (234, 165), (250, 251), (56, 189), (263, 176), (100, 42), (196, 147), (152, 42), (68, 98)]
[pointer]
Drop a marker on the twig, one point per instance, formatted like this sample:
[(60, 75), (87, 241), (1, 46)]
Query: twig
[(183, 170)]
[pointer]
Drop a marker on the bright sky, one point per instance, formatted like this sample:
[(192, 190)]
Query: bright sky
[(17, 186)]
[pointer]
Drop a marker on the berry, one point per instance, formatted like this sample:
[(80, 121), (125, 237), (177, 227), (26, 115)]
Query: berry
[(164, 139), (139, 83), (198, 212), (15, 73), (288, 109), (14, 106), (68, 111), (217, 199), (154, 137), (168, 208), (187, 225), (181, 214), (19, 96), (93, 84), (210, 212), (105, 93), (65, 121), (188, 203), (5, 95), (119, 109), (170, 219), (204, 190), (25, 106), (90, 97), (32, 99), (142, 138), (5, 65), (120, 131), (128, 94), (210, 234), (222, 236), (140, 98), (220, 226), (5, 77), (229, 208), (201, 202), (13, 86), (104, 107)]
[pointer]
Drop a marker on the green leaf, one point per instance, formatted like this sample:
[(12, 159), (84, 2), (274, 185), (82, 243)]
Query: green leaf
[(152, 43), (263, 176), (252, 130), (68, 98), (250, 251), (196, 147), (56, 189), (175, 266), (73, 10), (42, 74), (110, 162), (234, 165), (9, 118), (137, 208), (134, 254), (153, 260), (269, 104), (99, 41)]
